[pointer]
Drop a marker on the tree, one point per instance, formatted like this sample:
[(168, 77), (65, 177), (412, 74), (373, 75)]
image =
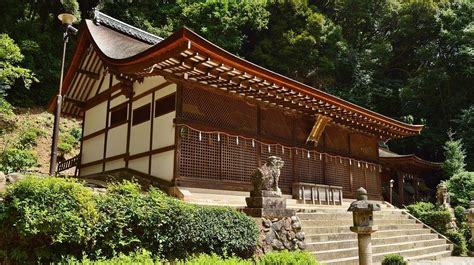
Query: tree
[(461, 188), (455, 155), (10, 71)]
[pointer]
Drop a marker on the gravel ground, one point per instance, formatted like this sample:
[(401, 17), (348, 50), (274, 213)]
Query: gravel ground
[(446, 261)]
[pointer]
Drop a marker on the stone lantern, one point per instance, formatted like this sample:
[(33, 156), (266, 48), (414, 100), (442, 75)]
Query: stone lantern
[(470, 221), (363, 215)]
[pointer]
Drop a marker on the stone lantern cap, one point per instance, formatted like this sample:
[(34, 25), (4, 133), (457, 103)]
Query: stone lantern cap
[(362, 204)]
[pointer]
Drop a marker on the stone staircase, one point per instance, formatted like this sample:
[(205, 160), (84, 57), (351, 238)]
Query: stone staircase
[(327, 229), (329, 238)]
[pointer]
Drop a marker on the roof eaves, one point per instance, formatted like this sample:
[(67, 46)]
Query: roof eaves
[(101, 18)]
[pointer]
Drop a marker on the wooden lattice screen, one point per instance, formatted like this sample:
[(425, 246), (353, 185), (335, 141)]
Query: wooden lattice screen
[(338, 173)]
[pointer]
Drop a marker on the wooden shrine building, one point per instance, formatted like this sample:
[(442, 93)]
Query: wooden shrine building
[(182, 112)]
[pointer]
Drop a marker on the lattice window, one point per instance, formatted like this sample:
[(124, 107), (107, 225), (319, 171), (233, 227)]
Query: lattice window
[(358, 175), (338, 172), (219, 111), (286, 176), (372, 180), (200, 155), (309, 168), (239, 159)]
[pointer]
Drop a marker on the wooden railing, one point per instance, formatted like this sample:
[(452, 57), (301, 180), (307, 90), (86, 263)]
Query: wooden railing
[(67, 164), (317, 193)]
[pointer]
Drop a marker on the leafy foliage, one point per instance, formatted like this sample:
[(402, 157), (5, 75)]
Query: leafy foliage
[(68, 141), (439, 219), (461, 188), (10, 71), (460, 245), (204, 259), (14, 159), (394, 259), (27, 138), (454, 154), (139, 257), (288, 258), (43, 218)]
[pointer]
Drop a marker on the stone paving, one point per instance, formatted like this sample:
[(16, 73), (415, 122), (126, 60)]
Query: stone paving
[(446, 261)]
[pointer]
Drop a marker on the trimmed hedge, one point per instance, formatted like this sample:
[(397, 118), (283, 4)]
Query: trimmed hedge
[(45, 218), (287, 258), (393, 259)]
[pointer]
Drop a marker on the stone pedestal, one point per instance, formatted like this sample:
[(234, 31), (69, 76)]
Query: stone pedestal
[(268, 207)]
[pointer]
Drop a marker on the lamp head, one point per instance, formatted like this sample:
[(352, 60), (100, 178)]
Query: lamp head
[(67, 19)]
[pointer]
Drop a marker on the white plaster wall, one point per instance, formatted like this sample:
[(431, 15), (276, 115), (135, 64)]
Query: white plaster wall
[(105, 84), (93, 149), (140, 164), (94, 119), (162, 165), (165, 91), (163, 130), (91, 170), (115, 164), (147, 84), (117, 101), (140, 134), (117, 140), (115, 80)]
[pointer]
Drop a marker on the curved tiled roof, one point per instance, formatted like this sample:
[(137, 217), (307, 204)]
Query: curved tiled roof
[(186, 55)]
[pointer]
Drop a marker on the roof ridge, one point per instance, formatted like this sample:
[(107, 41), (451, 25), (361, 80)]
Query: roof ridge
[(101, 18)]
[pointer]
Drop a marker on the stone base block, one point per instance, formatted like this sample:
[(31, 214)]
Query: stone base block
[(269, 212), (266, 202), (265, 193)]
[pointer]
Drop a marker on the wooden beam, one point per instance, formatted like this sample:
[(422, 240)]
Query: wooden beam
[(91, 75)]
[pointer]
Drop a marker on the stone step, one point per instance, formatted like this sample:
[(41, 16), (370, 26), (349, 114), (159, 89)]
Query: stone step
[(343, 212), (424, 245), (349, 222), (346, 229), (352, 243), (351, 235), (432, 252), (334, 217)]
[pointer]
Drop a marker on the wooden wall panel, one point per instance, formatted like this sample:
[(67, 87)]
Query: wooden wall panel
[(275, 123), (364, 146), (336, 139)]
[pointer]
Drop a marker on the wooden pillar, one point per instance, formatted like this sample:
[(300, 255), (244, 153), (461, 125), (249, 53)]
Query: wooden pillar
[(416, 183), (401, 183)]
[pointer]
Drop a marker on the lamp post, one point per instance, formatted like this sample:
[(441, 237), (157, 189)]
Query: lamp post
[(66, 20), (391, 190)]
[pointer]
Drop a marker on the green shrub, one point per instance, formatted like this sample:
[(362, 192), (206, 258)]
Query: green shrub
[(437, 218), (27, 138), (168, 227), (393, 259), (138, 257), (419, 208), (460, 214), (287, 258), (205, 259), (460, 246), (68, 140), (461, 188), (14, 160), (44, 218), (76, 133)]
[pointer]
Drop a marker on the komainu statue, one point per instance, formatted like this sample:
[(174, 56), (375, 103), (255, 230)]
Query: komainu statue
[(265, 178), (442, 194)]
